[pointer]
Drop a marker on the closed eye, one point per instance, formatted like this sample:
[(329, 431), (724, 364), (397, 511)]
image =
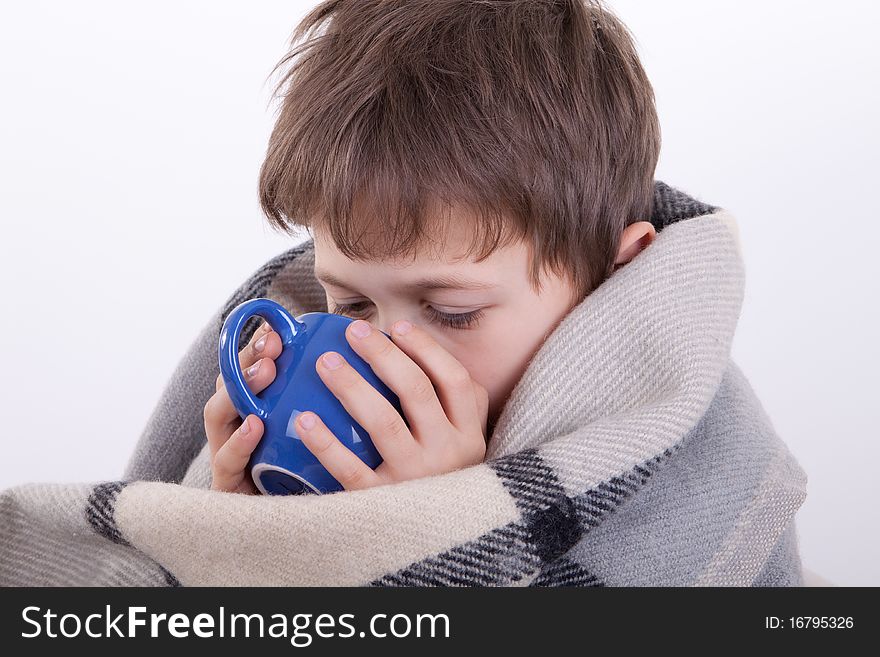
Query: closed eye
[(466, 320)]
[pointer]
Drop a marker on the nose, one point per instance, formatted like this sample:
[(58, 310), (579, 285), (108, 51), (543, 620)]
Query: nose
[(385, 320), (385, 326)]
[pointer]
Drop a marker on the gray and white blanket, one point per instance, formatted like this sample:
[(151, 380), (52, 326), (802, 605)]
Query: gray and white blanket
[(632, 452)]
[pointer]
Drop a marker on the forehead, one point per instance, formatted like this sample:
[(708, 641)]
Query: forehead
[(446, 259), (449, 236)]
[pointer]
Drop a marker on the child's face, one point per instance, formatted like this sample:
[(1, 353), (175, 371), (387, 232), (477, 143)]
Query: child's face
[(485, 314)]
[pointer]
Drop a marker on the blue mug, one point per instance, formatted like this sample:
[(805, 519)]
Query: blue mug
[(281, 464)]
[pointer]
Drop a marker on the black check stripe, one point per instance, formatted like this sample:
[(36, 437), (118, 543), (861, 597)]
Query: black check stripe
[(100, 512), (551, 524), (100, 508), (594, 504), (565, 572), (671, 205), (495, 558), (529, 480), (549, 515)]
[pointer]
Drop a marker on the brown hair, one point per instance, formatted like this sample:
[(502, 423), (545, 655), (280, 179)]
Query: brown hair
[(535, 115)]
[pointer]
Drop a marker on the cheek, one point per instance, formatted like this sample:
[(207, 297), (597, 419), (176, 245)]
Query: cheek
[(495, 356), (500, 355)]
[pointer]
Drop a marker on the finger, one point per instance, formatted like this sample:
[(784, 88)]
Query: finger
[(255, 349), (230, 461), (221, 417), (369, 407), (399, 372), (482, 398), (345, 466), (451, 379)]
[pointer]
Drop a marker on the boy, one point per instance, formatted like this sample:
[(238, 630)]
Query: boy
[(470, 171), (477, 177)]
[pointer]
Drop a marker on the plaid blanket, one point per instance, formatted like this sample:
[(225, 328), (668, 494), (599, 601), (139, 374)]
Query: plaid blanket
[(632, 452)]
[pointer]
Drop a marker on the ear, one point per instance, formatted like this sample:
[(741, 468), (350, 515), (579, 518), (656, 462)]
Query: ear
[(636, 237)]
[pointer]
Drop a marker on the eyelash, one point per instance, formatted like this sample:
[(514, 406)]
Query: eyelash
[(449, 320)]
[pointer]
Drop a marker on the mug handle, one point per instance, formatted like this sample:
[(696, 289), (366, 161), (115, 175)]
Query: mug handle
[(280, 320)]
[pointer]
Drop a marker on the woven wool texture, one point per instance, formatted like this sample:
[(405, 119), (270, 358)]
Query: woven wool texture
[(632, 452)]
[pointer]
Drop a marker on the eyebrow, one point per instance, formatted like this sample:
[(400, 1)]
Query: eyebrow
[(443, 282)]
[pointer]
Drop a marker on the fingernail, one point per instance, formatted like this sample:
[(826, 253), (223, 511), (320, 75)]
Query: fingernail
[(332, 360), (259, 344), (402, 327), (360, 328), (253, 369), (307, 420), (245, 427)]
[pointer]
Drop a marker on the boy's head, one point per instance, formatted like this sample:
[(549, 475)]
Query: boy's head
[(509, 142)]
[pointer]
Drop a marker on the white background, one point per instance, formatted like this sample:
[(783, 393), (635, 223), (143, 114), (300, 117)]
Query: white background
[(131, 135)]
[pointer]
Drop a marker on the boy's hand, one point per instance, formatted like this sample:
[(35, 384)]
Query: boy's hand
[(230, 445), (445, 408)]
